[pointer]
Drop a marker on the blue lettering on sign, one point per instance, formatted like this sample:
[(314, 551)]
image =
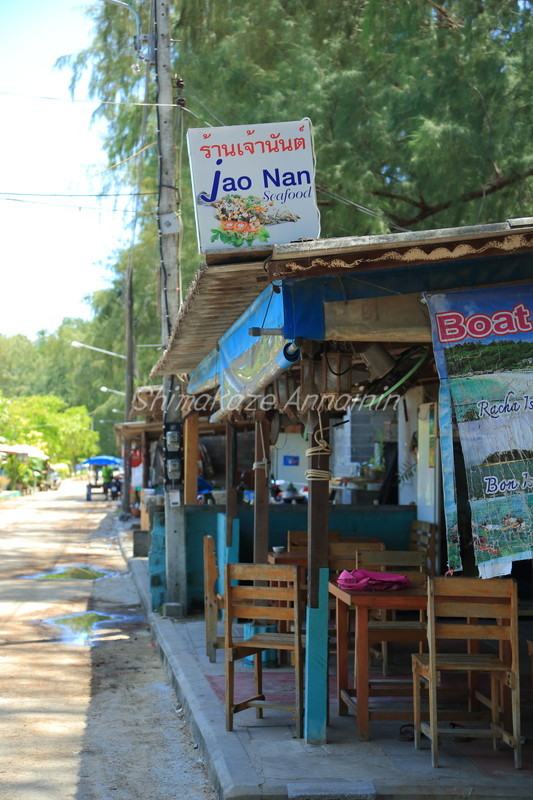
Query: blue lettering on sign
[(494, 485), (286, 178), (228, 185)]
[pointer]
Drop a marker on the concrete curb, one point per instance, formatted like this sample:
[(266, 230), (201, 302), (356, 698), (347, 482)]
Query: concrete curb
[(236, 771), (227, 762)]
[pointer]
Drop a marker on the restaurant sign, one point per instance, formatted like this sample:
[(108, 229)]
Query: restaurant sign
[(253, 185), (483, 349)]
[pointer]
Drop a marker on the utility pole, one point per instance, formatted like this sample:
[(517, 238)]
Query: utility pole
[(128, 283), (176, 555), (130, 368)]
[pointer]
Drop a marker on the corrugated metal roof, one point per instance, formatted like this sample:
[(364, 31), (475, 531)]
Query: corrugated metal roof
[(418, 248), (217, 297), (221, 292)]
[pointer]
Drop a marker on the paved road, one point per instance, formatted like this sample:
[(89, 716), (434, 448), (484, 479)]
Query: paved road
[(87, 713)]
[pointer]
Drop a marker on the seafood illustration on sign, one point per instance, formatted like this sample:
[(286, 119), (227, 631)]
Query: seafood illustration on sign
[(243, 219)]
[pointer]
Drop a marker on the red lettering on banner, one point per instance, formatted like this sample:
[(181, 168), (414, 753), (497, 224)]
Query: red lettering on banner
[(453, 326)]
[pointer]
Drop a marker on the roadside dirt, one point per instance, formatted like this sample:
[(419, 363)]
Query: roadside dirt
[(84, 717)]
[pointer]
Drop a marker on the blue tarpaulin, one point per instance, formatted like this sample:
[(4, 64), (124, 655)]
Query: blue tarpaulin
[(100, 461), (371, 305), (243, 364), (340, 307)]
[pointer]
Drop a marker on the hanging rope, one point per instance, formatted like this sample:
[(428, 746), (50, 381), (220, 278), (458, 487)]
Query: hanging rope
[(321, 448), (264, 462)]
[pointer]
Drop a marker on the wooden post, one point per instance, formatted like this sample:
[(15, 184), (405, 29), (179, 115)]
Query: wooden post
[(145, 450), (190, 458), (316, 676), (317, 512), (231, 488), (261, 490)]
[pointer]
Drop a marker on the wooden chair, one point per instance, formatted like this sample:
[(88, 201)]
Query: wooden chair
[(471, 610), (213, 600), (271, 595), (343, 555), (385, 628), (423, 538), (297, 540)]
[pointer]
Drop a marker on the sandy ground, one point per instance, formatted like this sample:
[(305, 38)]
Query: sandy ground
[(85, 717)]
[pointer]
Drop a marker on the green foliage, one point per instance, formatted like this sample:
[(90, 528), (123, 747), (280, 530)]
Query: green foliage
[(480, 358), (17, 354), (18, 472), (45, 421), (421, 111)]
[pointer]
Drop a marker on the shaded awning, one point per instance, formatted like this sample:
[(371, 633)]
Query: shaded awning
[(242, 364), (222, 292), (147, 403), (216, 298), (23, 450)]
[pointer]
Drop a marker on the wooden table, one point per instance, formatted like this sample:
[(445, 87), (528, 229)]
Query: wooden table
[(412, 599)]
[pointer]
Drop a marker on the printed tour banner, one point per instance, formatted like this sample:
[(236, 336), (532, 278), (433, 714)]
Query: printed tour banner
[(483, 343), (254, 185)]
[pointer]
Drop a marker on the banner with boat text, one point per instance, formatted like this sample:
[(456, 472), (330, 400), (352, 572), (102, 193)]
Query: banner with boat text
[(483, 343)]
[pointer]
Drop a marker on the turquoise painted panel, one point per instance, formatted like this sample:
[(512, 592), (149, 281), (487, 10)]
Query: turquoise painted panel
[(316, 666), (225, 554), (156, 561), (200, 522), (390, 524)]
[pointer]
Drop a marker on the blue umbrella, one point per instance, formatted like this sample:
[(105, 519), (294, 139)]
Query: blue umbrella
[(100, 461)]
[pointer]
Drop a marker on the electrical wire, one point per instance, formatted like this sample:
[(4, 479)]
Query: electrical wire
[(197, 100), (75, 207), (363, 209), (88, 101), (402, 380), (55, 194)]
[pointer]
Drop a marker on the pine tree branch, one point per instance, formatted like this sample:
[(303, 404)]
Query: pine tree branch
[(496, 184)]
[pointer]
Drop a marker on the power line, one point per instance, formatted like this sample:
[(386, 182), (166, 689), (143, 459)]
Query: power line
[(363, 209), (87, 101), (55, 194), (74, 207)]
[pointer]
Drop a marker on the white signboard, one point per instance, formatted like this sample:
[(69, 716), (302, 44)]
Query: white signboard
[(254, 185)]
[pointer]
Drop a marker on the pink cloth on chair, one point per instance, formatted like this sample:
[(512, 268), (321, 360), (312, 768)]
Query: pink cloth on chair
[(363, 580)]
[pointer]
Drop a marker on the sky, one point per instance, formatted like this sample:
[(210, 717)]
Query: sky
[(54, 249)]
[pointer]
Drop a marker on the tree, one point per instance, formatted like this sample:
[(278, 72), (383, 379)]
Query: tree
[(63, 433), (17, 365), (421, 109), (76, 440), (421, 112)]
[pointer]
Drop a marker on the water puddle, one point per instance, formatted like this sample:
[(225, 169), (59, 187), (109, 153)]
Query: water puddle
[(80, 572), (90, 627)]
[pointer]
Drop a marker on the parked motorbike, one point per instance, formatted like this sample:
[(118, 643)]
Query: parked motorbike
[(52, 480), (114, 488)]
